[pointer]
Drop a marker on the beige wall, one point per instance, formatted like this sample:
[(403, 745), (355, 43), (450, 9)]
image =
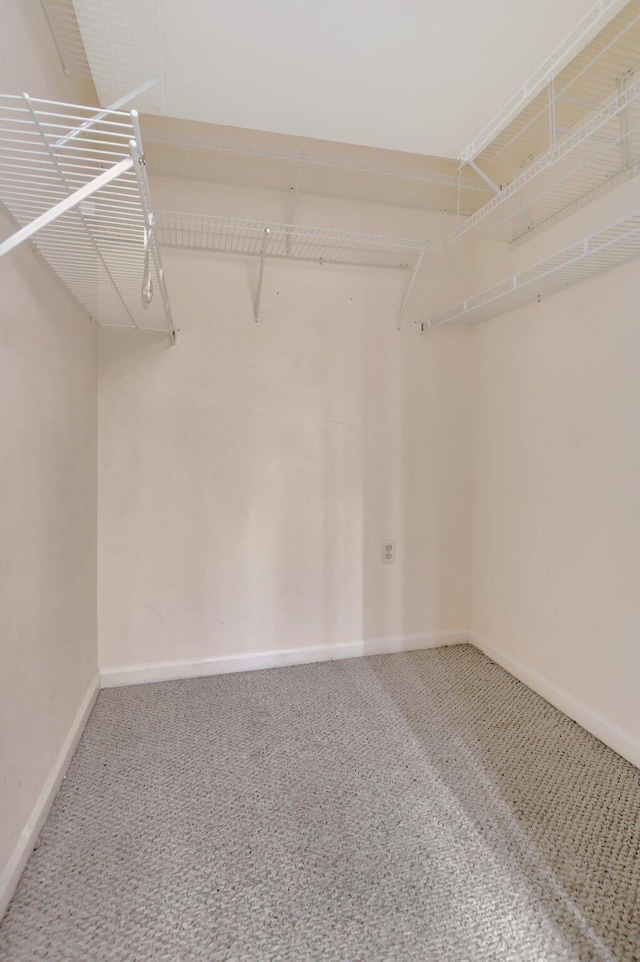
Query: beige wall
[(48, 363), (556, 546), (249, 475), (29, 60)]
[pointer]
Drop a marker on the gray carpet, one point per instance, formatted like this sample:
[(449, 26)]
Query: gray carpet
[(421, 806)]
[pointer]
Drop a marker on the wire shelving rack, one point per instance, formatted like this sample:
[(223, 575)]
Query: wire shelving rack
[(611, 247), (74, 182), (602, 149), (603, 46), (236, 235), (233, 235), (568, 141)]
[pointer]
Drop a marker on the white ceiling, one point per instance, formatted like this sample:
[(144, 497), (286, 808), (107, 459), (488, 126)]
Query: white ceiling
[(422, 76), (413, 75)]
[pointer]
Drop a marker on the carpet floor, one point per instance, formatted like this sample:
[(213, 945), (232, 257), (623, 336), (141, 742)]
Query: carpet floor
[(420, 806)]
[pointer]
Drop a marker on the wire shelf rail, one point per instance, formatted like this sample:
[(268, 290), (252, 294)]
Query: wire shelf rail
[(435, 185), (102, 246), (605, 250), (289, 241)]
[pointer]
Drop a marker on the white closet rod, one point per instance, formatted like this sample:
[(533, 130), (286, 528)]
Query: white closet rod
[(65, 205)]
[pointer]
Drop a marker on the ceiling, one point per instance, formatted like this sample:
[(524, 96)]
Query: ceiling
[(412, 75)]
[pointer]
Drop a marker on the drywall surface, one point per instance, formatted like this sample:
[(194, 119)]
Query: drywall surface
[(249, 475), (29, 60), (556, 549), (48, 655), (48, 412)]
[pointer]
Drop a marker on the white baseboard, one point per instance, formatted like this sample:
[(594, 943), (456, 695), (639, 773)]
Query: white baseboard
[(612, 736), (224, 664), (11, 873)]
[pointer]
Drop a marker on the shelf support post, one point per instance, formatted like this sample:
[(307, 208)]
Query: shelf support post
[(256, 312), (405, 299), (64, 206)]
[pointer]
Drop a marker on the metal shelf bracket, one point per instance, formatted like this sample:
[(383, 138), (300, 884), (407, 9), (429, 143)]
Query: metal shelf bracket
[(523, 217), (256, 311), (405, 299)]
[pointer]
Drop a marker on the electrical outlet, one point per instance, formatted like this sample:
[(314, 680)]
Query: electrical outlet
[(388, 552)]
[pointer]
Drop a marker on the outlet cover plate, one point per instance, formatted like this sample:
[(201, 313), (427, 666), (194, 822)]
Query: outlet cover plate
[(388, 552)]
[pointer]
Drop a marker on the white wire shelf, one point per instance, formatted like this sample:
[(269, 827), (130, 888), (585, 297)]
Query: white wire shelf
[(291, 242), (102, 249), (605, 250), (435, 185), (603, 148), (590, 25), (287, 241), (594, 75), (116, 44)]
